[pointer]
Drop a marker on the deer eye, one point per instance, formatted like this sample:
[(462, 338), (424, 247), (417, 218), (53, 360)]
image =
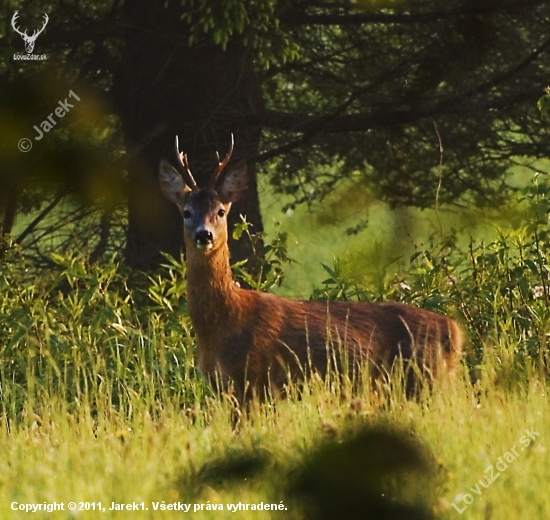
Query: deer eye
[(186, 214), (221, 213)]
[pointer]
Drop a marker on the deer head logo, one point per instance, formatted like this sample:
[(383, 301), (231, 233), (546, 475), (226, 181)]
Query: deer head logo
[(29, 40)]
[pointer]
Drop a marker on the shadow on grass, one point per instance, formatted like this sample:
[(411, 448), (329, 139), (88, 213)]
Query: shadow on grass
[(374, 472)]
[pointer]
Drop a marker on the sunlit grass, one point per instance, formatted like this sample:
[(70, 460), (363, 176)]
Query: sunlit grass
[(150, 449)]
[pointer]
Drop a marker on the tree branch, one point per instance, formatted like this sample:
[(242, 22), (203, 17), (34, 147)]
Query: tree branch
[(391, 18), (104, 233), (30, 228), (367, 120), (314, 125)]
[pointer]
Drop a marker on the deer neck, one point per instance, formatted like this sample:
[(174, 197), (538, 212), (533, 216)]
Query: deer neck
[(211, 292)]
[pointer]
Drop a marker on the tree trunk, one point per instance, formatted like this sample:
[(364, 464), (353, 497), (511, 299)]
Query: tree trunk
[(162, 88)]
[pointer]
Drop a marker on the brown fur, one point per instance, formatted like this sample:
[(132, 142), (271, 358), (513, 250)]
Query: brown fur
[(258, 339)]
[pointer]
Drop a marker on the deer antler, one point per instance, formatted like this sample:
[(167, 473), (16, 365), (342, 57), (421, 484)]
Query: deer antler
[(15, 28), (25, 35), (43, 27), (182, 159), (221, 165)]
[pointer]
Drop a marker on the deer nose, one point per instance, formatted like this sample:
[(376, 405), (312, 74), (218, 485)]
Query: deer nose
[(204, 238)]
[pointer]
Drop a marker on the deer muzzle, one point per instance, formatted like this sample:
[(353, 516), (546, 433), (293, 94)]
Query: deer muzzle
[(204, 239)]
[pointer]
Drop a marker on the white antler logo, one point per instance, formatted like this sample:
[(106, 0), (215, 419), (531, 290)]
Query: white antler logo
[(29, 40)]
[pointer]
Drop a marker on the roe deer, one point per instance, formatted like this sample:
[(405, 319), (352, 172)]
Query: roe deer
[(257, 339)]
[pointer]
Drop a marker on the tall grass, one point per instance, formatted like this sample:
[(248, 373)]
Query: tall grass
[(148, 449)]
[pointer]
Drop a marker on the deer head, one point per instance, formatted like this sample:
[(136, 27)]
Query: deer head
[(204, 210), (29, 40)]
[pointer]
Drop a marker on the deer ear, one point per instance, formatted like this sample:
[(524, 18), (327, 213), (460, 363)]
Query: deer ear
[(235, 183), (171, 183)]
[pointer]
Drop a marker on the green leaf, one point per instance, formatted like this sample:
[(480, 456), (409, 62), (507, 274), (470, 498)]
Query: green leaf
[(329, 270), (543, 105)]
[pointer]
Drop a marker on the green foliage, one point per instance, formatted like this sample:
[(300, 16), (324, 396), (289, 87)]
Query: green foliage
[(256, 23), (499, 289), (264, 270), (94, 334), (543, 104)]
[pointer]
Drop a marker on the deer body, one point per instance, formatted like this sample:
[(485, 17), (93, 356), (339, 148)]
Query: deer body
[(257, 340)]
